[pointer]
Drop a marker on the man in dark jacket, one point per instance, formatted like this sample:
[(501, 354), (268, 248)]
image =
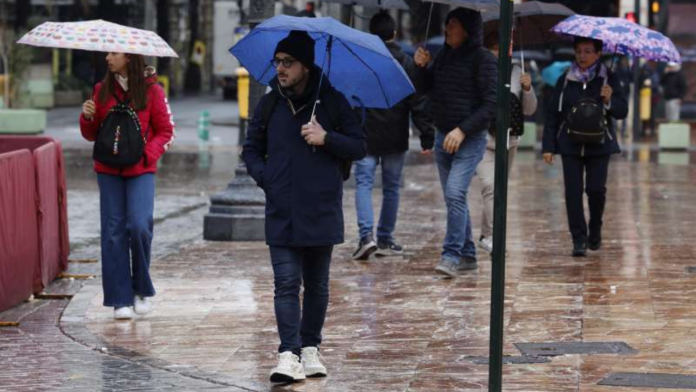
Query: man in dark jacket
[(388, 133), (461, 86), (296, 159)]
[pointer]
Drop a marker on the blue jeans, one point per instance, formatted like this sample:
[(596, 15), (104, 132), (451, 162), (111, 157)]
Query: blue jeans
[(456, 171), (291, 266), (126, 206), (392, 166)]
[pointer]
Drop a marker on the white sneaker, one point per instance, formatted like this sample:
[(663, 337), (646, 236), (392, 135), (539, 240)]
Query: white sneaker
[(311, 361), (143, 305), (124, 313), (486, 244), (289, 368)]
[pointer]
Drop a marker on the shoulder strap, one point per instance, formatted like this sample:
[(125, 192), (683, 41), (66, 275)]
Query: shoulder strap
[(330, 100), (267, 109), (565, 84)]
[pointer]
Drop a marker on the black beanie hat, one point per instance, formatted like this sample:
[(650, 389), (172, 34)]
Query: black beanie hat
[(299, 45)]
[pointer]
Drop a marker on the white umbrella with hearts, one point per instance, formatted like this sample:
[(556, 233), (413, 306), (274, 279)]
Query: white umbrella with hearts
[(98, 36)]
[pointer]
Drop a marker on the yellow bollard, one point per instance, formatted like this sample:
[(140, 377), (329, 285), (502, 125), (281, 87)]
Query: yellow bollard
[(243, 93), (164, 81), (645, 102)]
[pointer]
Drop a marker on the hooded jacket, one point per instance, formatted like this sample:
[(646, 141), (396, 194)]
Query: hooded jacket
[(303, 183), (155, 120), (461, 83), (388, 130)]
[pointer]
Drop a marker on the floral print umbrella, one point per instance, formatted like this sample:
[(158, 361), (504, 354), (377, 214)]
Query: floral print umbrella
[(621, 36), (98, 36)]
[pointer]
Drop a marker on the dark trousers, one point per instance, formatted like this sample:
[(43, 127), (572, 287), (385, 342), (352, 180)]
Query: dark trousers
[(297, 327), (588, 174), (126, 205)]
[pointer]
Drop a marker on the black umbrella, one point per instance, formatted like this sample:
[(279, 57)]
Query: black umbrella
[(533, 21)]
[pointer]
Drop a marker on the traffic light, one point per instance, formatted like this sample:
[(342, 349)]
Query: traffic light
[(656, 14), (630, 16)]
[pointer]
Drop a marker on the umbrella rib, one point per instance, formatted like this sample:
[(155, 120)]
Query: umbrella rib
[(386, 100)]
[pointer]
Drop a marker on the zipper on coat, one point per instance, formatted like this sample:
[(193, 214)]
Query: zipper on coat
[(582, 151)]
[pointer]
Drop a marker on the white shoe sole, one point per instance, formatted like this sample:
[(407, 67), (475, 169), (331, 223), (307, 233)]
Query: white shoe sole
[(317, 373), (365, 252), (286, 378), (126, 316), (448, 273), (388, 252)]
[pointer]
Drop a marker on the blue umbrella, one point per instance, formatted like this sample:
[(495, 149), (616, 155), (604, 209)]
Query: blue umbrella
[(553, 72), (358, 64)]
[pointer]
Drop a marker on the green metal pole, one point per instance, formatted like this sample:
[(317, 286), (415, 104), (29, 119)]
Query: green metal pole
[(495, 369)]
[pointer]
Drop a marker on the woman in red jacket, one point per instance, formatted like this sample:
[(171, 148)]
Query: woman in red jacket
[(127, 193)]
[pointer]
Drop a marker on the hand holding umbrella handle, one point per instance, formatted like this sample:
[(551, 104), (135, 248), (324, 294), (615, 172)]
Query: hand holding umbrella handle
[(422, 57)]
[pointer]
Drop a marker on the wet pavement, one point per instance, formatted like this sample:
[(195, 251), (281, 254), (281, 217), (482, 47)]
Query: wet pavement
[(393, 325)]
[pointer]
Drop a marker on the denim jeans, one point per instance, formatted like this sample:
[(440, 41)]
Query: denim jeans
[(126, 206), (392, 166), (456, 171), (291, 267)]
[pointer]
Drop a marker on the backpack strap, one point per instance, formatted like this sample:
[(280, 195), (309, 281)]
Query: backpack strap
[(565, 84), (267, 109)]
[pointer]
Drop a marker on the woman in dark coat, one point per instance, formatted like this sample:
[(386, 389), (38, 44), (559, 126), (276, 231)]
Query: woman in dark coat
[(585, 165)]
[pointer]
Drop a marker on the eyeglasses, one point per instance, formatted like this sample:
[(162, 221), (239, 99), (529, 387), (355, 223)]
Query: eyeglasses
[(287, 62)]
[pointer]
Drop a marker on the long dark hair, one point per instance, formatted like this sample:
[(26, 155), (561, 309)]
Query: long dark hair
[(137, 88)]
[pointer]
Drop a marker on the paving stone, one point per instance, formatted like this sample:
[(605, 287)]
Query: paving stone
[(650, 380), (575, 348)]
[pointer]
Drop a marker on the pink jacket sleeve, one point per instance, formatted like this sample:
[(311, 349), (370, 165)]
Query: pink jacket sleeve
[(161, 126)]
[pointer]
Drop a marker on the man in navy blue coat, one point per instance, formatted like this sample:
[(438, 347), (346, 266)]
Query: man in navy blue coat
[(297, 160)]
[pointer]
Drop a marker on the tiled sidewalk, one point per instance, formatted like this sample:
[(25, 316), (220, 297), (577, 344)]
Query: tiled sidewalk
[(393, 325)]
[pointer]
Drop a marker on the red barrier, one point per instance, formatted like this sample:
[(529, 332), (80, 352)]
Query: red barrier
[(50, 204), (19, 254)]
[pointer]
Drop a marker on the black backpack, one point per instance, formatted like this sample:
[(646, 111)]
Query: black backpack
[(330, 100), (516, 114), (586, 122), (119, 140), (516, 118)]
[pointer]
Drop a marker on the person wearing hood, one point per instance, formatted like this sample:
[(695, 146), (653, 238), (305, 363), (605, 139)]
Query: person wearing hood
[(674, 88), (388, 132), (461, 87), (297, 158), (127, 193), (588, 93)]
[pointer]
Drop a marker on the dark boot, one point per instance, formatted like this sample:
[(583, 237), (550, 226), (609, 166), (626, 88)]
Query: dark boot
[(594, 242), (579, 249)]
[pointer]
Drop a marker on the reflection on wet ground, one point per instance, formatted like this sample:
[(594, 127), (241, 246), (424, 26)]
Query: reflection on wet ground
[(393, 325)]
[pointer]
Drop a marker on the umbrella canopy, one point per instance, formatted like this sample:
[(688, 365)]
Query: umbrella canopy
[(98, 36), (477, 5), (384, 4), (359, 64), (621, 36), (533, 21), (553, 72)]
